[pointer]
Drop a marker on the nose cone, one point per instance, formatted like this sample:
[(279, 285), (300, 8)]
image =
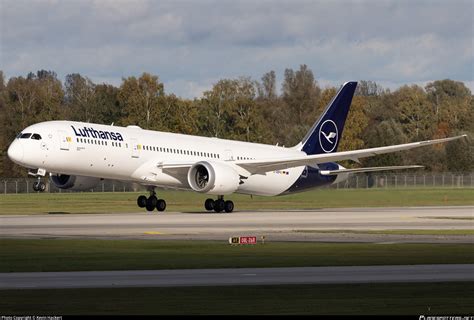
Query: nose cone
[(15, 152)]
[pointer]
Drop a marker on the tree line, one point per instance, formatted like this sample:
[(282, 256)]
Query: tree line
[(252, 110)]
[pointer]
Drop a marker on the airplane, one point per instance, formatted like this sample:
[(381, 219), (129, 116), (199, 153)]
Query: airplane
[(77, 155)]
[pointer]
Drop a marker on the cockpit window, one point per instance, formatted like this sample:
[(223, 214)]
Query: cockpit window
[(25, 136), (36, 136)]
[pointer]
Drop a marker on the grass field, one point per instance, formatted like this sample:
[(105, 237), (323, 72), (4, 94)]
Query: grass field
[(83, 255), (391, 299), (191, 201)]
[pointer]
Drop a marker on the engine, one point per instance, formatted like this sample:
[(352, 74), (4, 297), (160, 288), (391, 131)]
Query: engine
[(79, 183), (213, 178)]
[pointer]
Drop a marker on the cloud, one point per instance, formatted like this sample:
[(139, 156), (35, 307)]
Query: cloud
[(189, 44)]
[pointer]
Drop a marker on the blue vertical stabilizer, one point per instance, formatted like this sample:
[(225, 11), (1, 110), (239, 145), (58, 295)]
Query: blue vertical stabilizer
[(326, 132)]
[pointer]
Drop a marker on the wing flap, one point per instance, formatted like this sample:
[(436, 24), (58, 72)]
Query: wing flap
[(368, 169)]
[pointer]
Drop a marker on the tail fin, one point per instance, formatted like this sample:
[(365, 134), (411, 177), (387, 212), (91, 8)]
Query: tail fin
[(324, 136)]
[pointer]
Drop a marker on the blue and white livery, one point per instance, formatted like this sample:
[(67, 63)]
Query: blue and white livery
[(78, 155)]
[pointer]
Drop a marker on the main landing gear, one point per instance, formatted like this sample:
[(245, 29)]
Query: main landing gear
[(219, 205), (151, 202)]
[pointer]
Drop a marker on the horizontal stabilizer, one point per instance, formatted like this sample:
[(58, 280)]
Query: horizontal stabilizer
[(370, 169)]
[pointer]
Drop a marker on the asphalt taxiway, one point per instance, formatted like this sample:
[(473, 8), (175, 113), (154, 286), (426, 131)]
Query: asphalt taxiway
[(232, 277), (286, 225)]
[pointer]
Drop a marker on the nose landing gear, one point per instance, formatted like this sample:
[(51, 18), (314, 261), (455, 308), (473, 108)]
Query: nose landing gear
[(151, 202), (219, 205), (39, 186)]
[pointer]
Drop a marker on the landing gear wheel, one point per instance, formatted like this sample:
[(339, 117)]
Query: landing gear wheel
[(229, 206), (161, 205), (141, 201), (219, 205), (151, 203), (39, 186), (209, 204)]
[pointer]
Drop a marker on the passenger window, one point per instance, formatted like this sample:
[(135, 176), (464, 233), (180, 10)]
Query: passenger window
[(36, 136), (25, 136)]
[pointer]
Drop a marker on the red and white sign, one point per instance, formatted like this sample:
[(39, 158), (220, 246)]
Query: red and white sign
[(248, 240), (243, 240)]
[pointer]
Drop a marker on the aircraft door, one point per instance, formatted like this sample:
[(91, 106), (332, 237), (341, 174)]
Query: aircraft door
[(228, 156), (135, 148), (64, 140)]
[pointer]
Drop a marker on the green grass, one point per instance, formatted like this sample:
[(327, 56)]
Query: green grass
[(191, 201), (82, 255), (417, 232), (392, 299)]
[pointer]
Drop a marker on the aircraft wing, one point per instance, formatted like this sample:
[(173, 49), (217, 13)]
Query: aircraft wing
[(178, 170), (265, 165), (147, 172)]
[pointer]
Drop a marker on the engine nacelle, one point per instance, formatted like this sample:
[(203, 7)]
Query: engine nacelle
[(79, 183), (213, 178)]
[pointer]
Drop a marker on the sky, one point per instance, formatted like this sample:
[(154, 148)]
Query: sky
[(193, 44)]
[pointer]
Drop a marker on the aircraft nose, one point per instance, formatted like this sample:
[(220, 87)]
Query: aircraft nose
[(15, 151)]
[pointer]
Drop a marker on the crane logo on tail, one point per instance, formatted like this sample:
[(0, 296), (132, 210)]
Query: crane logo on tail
[(328, 136)]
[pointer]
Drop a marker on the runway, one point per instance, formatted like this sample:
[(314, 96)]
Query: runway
[(232, 277), (298, 225)]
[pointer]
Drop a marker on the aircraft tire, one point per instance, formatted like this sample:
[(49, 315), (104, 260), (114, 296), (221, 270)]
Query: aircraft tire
[(219, 205), (39, 186), (228, 206), (161, 205), (141, 201), (209, 204), (151, 203)]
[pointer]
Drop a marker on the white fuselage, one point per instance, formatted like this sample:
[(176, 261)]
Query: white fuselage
[(120, 153)]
